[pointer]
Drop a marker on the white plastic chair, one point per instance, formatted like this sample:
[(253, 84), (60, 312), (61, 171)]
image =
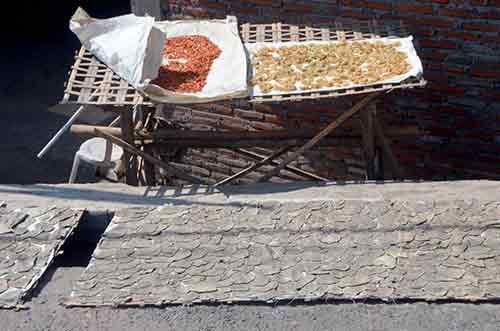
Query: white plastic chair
[(98, 152)]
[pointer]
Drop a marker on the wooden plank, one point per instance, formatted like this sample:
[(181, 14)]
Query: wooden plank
[(386, 149), (253, 167), (149, 167), (265, 134), (264, 143), (290, 168), (368, 138), (129, 160), (87, 131), (325, 132), (146, 7), (133, 150)]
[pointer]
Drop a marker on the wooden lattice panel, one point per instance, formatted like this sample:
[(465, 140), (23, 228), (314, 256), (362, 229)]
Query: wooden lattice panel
[(278, 32), (91, 82)]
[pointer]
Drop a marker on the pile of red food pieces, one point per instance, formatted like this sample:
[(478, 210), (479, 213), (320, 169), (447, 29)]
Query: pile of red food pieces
[(191, 59)]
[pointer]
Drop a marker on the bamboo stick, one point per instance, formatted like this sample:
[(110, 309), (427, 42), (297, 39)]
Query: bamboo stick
[(147, 157), (325, 132), (253, 167)]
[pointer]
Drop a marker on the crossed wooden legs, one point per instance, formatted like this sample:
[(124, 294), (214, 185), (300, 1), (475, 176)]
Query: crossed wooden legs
[(370, 124), (373, 139)]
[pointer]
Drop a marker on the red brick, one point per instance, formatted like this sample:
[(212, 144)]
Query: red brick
[(442, 132), (490, 14), (491, 94), (298, 7), (432, 55), (485, 71), (457, 70), (213, 4), (446, 88), (376, 5), (480, 135), (419, 9), (451, 110), (354, 14), (483, 27), (432, 43), (435, 22), (454, 12), (460, 35), (274, 3)]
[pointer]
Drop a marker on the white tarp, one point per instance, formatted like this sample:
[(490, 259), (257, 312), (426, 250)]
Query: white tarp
[(406, 46), (132, 47), (129, 45)]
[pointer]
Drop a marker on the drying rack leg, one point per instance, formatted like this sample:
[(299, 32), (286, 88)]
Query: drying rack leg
[(316, 139)]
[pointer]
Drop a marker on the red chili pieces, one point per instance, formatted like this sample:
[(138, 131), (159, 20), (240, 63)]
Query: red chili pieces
[(191, 59)]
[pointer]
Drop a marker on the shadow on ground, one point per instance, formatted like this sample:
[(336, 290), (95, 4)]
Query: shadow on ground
[(38, 59)]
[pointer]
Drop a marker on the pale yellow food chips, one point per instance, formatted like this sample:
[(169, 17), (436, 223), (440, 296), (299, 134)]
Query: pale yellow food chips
[(317, 66)]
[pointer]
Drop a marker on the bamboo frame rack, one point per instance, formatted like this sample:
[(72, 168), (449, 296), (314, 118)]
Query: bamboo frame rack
[(91, 82)]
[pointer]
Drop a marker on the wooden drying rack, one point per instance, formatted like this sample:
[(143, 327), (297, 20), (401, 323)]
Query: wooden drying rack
[(92, 83)]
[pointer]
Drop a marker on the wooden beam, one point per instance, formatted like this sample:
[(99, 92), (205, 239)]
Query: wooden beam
[(290, 168), (386, 148), (131, 149), (129, 160), (168, 134), (253, 167), (248, 143), (146, 7), (82, 130), (87, 131), (315, 140), (368, 138), (149, 167)]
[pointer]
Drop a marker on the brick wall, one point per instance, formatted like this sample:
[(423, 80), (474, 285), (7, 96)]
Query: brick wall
[(458, 42)]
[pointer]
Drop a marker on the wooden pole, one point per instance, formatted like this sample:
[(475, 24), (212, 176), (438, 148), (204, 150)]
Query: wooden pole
[(368, 138), (132, 150), (290, 168), (83, 130), (386, 148), (129, 160), (168, 134), (325, 132), (149, 168), (264, 143), (87, 131), (253, 167)]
